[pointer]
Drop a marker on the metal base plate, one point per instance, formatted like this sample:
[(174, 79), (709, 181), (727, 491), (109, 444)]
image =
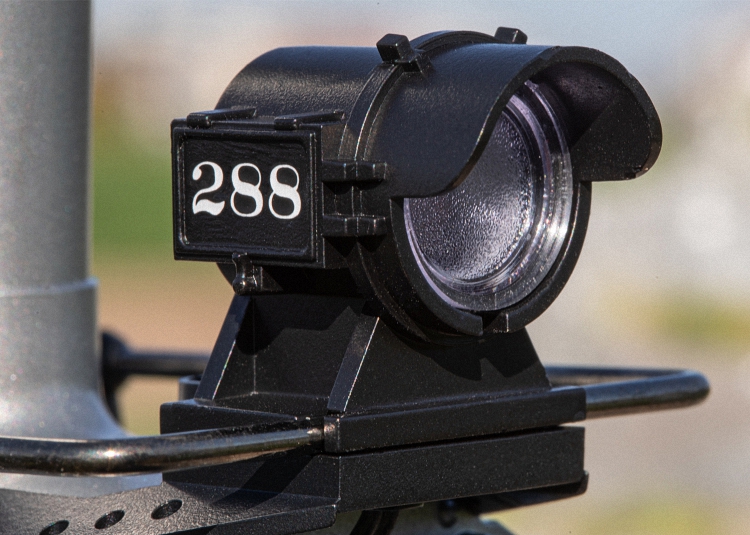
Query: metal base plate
[(273, 497)]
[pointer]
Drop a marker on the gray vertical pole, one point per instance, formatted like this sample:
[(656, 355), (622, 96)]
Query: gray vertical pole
[(49, 364)]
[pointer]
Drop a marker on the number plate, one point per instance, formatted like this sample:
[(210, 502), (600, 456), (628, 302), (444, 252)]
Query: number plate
[(243, 193)]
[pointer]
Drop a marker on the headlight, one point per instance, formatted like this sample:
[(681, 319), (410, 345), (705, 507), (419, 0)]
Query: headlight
[(446, 179)]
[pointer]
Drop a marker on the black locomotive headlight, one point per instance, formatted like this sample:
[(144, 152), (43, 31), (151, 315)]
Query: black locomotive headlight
[(441, 186), (446, 179)]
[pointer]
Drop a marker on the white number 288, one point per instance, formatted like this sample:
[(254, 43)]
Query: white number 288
[(247, 189)]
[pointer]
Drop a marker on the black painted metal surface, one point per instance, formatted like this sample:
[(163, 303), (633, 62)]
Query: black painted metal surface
[(610, 391), (171, 510), (322, 360), (295, 494), (202, 509)]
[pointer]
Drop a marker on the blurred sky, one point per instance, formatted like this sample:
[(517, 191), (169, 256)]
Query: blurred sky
[(209, 41), (646, 36)]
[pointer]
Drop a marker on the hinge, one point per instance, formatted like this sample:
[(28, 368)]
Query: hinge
[(396, 49), (251, 279), (352, 171), (510, 36), (293, 122), (353, 226), (205, 119)]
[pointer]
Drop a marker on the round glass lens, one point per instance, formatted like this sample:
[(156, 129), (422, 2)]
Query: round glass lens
[(469, 233), (489, 242)]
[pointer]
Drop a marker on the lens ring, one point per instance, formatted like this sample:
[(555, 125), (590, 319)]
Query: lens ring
[(486, 244)]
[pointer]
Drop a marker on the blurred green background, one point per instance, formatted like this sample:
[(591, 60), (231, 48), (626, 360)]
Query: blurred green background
[(663, 279), (132, 187)]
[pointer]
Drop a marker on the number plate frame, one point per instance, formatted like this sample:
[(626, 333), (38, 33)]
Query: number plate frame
[(202, 236)]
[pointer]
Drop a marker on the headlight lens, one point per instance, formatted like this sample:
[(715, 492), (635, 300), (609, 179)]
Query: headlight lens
[(489, 242)]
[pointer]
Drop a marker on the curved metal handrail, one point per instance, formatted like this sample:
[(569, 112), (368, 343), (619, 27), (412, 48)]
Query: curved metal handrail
[(618, 391), (609, 392), (159, 453)]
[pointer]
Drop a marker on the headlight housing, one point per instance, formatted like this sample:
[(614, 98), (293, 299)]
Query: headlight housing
[(446, 179)]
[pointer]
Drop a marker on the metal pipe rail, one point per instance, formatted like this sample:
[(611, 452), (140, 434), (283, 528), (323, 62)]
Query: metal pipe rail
[(618, 391), (148, 454), (609, 392)]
